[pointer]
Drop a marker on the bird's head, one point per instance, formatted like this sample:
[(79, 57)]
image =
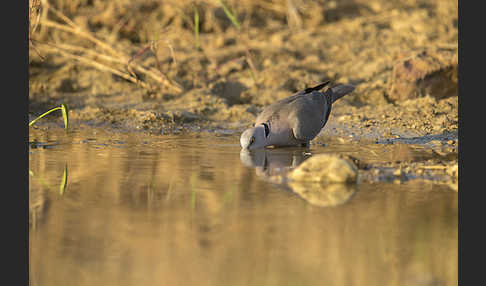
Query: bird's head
[(255, 137)]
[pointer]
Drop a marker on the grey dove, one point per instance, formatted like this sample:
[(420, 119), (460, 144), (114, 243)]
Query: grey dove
[(295, 120)]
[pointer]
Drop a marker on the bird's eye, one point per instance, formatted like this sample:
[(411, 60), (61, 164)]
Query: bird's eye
[(252, 140)]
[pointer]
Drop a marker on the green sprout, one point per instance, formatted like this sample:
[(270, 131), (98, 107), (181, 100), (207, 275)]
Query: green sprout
[(230, 15), (65, 115)]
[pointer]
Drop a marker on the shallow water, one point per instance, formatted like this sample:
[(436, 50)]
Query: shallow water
[(191, 210)]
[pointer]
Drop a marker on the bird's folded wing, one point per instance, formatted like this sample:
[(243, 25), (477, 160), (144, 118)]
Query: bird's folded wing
[(307, 117)]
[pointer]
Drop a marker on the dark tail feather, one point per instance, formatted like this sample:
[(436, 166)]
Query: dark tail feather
[(317, 87), (338, 91)]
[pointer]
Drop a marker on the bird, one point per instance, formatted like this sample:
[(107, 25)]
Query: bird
[(294, 120)]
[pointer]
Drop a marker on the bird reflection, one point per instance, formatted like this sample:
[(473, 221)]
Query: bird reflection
[(273, 165)]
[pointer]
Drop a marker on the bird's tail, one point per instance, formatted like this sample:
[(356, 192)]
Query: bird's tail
[(338, 91)]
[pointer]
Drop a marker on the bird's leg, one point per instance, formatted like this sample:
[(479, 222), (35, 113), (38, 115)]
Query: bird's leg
[(306, 144)]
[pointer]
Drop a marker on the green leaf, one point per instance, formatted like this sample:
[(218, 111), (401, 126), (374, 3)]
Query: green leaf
[(42, 115), (230, 15), (65, 116)]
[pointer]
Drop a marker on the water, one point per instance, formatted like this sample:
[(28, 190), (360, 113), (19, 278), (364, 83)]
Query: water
[(191, 210)]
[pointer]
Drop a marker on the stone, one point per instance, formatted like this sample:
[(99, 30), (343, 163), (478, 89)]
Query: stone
[(431, 73)]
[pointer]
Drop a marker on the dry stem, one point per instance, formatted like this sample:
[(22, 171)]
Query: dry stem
[(92, 57)]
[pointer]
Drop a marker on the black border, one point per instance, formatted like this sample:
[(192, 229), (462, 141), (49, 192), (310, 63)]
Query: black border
[(471, 121), (15, 94)]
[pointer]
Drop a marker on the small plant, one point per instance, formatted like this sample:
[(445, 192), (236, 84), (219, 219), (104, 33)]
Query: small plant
[(230, 15), (65, 115)]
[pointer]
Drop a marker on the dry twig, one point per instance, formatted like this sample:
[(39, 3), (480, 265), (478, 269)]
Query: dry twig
[(109, 54)]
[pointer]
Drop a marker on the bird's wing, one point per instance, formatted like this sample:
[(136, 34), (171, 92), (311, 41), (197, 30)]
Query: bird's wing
[(272, 111), (314, 88), (308, 115)]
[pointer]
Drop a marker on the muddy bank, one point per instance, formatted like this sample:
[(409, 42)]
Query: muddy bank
[(401, 55)]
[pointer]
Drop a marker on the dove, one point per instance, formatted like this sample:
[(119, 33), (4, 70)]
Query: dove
[(295, 120)]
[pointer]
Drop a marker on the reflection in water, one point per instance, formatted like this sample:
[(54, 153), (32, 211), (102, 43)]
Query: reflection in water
[(164, 210), (37, 203), (274, 164), (323, 195)]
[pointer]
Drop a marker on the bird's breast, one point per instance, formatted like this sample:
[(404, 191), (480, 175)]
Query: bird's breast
[(281, 135)]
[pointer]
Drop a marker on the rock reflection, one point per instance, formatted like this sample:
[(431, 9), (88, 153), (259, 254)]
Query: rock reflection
[(273, 165), (323, 195)]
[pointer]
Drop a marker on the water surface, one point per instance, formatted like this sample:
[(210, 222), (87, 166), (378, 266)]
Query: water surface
[(189, 210)]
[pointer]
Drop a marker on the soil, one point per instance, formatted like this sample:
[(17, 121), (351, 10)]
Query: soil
[(401, 55)]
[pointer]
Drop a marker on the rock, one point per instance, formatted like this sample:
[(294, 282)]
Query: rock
[(429, 72), (325, 168)]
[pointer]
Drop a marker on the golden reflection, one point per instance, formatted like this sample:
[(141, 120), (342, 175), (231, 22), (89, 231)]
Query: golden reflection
[(323, 195), (182, 210), (274, 164)]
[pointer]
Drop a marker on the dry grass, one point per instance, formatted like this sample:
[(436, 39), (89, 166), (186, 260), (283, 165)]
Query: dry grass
[(175, 47), (99, 54), (60, 28)]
